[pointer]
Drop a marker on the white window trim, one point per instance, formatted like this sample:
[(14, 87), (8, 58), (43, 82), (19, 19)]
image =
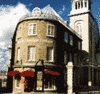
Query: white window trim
[(29, 28), (53, 30), (52, 54), (34, 54), (16, 84)]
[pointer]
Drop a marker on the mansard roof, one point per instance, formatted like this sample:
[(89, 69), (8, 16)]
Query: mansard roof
[(45, 13)]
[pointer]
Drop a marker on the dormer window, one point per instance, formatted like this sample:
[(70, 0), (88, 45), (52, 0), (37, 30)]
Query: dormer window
[(50, 30), (32, 29)]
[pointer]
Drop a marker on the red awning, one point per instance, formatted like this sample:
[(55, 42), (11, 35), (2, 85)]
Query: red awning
[(54, 73), (27, 73), (13, 73)]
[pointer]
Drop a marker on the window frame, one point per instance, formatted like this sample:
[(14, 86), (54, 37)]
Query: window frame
[(30, 33), (52, 56), (31, 58), (49, 84), (53, 35)]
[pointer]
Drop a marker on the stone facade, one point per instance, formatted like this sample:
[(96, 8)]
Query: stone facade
[(75, 44), (65, 44)]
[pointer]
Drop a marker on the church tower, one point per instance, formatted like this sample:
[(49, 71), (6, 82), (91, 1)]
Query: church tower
[(84, 24), (79, 20)]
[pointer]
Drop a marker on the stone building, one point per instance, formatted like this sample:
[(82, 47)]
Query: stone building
[(42, 46)]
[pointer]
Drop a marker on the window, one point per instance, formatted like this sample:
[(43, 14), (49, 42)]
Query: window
[(32, 29), (50, 30), (31, 53), (66, 37), (17, 83), (75, 5), (4, 82), (71, 40), (85, 3), (79, 45), (78, 27), (49, 83), (81, 4), (78, 5), (18, 54), (65, 57), (70, 56), (50, 54)]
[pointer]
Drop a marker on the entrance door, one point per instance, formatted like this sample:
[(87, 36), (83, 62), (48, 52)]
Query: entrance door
[(39, 81)]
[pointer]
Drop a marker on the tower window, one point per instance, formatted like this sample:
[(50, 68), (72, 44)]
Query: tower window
[(50, 54), (31, 53), (78, 27), (85, 3), (32, 29), (78, 5), (81, 4), (75, 5)]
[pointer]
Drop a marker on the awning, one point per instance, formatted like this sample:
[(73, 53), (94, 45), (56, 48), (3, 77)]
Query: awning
[(13, 73), (54, 73), (27, 73)]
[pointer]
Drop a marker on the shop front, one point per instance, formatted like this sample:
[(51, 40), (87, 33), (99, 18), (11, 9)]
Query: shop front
[(37, 79)]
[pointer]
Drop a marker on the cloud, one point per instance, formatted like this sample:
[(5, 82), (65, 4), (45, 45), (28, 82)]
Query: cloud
[(9, 17), (61, 11)]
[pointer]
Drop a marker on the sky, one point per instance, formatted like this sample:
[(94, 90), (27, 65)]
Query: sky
[(12, 10)]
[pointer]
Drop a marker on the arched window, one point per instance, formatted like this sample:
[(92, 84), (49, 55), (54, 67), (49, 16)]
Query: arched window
[(75, 5), (78, 27)]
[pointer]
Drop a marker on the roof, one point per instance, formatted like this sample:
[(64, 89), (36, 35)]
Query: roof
[(45, 13)]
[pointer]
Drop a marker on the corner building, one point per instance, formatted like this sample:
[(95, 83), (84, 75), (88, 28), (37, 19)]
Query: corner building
[(42, 46)]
